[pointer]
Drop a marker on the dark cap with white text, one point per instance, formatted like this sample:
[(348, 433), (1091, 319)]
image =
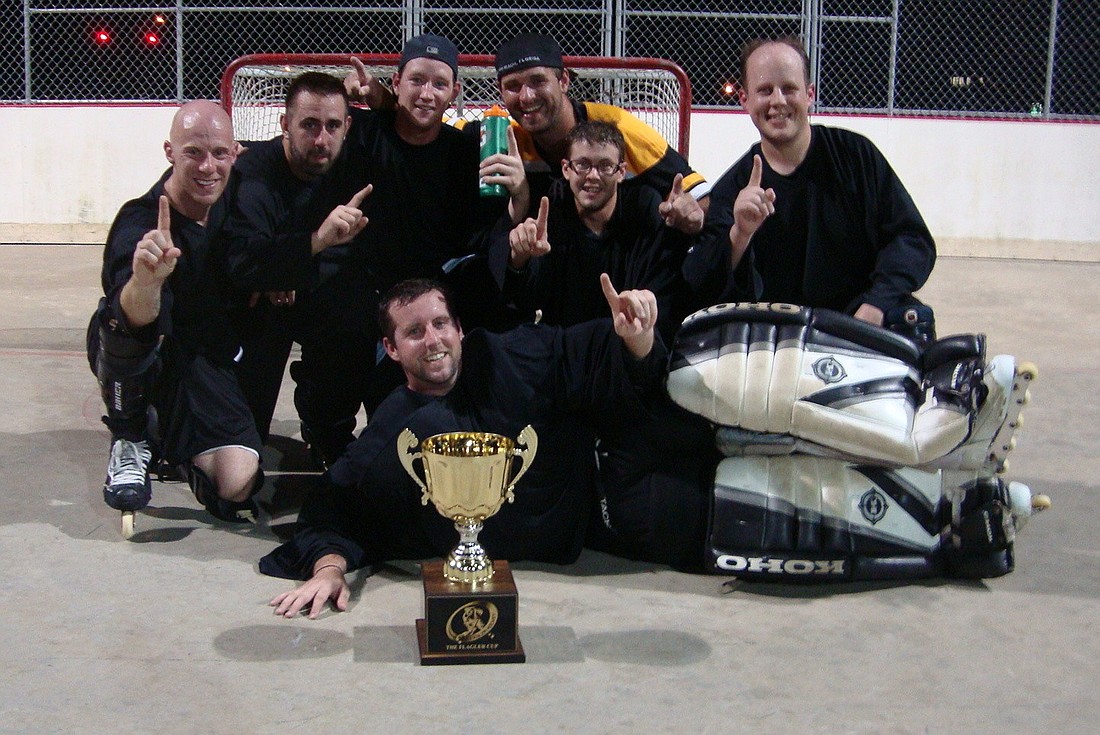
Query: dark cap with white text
[(526, 51)]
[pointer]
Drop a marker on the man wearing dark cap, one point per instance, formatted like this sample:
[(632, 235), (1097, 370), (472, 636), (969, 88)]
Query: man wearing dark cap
[(423, 210), (535, 87)]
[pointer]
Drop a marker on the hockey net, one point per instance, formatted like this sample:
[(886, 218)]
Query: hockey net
[(253, 88)]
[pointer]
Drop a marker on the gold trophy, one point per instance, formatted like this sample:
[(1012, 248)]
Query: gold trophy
[(470, 605)]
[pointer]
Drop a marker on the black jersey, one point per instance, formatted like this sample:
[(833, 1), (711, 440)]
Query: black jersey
[(425, 208), (274, 217), (197, 298), (861, 236), (636, 249)]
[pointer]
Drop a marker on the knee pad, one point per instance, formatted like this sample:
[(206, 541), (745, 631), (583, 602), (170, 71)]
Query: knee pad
[(226, 510), (124, 354)]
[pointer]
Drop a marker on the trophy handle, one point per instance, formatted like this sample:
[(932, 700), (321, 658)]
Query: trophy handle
[(408, 451), (527, 443)]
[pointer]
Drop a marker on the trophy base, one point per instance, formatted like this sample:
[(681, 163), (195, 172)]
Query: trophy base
[(469, 623)]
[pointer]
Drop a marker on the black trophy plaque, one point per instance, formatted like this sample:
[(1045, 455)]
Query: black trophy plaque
[(467, 623)]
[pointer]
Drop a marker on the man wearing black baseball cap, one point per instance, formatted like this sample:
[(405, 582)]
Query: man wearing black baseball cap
[(430, 46), (425, 209), (534, 86), (426, 83), (527, 50)]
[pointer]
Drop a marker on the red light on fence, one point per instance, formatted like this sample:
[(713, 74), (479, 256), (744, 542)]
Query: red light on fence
[(151, 39), (102, 36)]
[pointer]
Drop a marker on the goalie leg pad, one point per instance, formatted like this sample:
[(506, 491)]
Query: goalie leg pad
[(823, 377), (800, 518)]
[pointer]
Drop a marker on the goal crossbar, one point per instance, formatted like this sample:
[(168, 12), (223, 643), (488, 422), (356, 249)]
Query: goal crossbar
[(253, 88)]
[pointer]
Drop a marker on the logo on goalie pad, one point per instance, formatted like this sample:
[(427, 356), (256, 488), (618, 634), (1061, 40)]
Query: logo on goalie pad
[(778, 308), (777, 565), (873, 506), (829, 370)]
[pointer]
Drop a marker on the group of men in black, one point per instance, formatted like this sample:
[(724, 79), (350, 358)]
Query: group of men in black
[(354, 214)]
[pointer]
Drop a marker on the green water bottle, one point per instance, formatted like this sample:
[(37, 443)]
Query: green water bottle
[(494, 139)]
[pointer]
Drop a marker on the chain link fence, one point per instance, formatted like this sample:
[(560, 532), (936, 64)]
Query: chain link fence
[(965, 58)]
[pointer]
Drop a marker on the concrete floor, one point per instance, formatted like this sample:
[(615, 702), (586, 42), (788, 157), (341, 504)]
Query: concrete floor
[(171, 631)]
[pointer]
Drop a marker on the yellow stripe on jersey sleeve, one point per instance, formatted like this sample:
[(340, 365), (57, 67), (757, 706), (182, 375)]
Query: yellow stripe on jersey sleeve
[(645, 147)]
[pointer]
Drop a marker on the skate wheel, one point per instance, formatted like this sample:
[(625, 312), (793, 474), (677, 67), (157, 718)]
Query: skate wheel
[(1040, 502), (1027, 370), (1025, 398), (1019, 422), (127, 524)]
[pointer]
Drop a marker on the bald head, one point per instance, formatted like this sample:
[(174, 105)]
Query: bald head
[(201, 116), (201, 149)]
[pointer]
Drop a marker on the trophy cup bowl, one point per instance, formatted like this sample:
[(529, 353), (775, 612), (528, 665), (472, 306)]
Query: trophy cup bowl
[(467, 475)]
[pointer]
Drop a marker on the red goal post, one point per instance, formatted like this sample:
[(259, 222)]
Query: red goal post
[(253, 88)]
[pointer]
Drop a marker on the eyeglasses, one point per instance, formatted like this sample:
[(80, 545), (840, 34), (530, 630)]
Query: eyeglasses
[(582, 166)]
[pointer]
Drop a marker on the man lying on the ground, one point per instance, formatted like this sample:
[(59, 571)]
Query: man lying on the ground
[(566, 383)]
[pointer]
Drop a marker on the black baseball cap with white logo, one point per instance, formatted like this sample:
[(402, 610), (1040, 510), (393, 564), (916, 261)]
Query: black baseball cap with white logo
[(527, 50), (429, 46)]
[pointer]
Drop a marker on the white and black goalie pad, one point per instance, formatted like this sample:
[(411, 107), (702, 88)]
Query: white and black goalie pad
[(814, 519), (838, 385)]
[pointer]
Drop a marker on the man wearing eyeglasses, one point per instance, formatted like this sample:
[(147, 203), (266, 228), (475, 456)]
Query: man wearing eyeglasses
[(588, 225)]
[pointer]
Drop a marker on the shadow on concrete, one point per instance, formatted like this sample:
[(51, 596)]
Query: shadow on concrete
[(397, 644)]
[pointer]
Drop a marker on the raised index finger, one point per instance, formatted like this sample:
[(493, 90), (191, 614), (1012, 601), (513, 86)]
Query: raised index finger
[(540, 223), (513, 146), (356, 200), (164, 215), (360, 71), (677, 187), (609, 292), (757, 171)]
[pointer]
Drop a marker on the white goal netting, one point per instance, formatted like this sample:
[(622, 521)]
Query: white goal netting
[(655, 90)]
